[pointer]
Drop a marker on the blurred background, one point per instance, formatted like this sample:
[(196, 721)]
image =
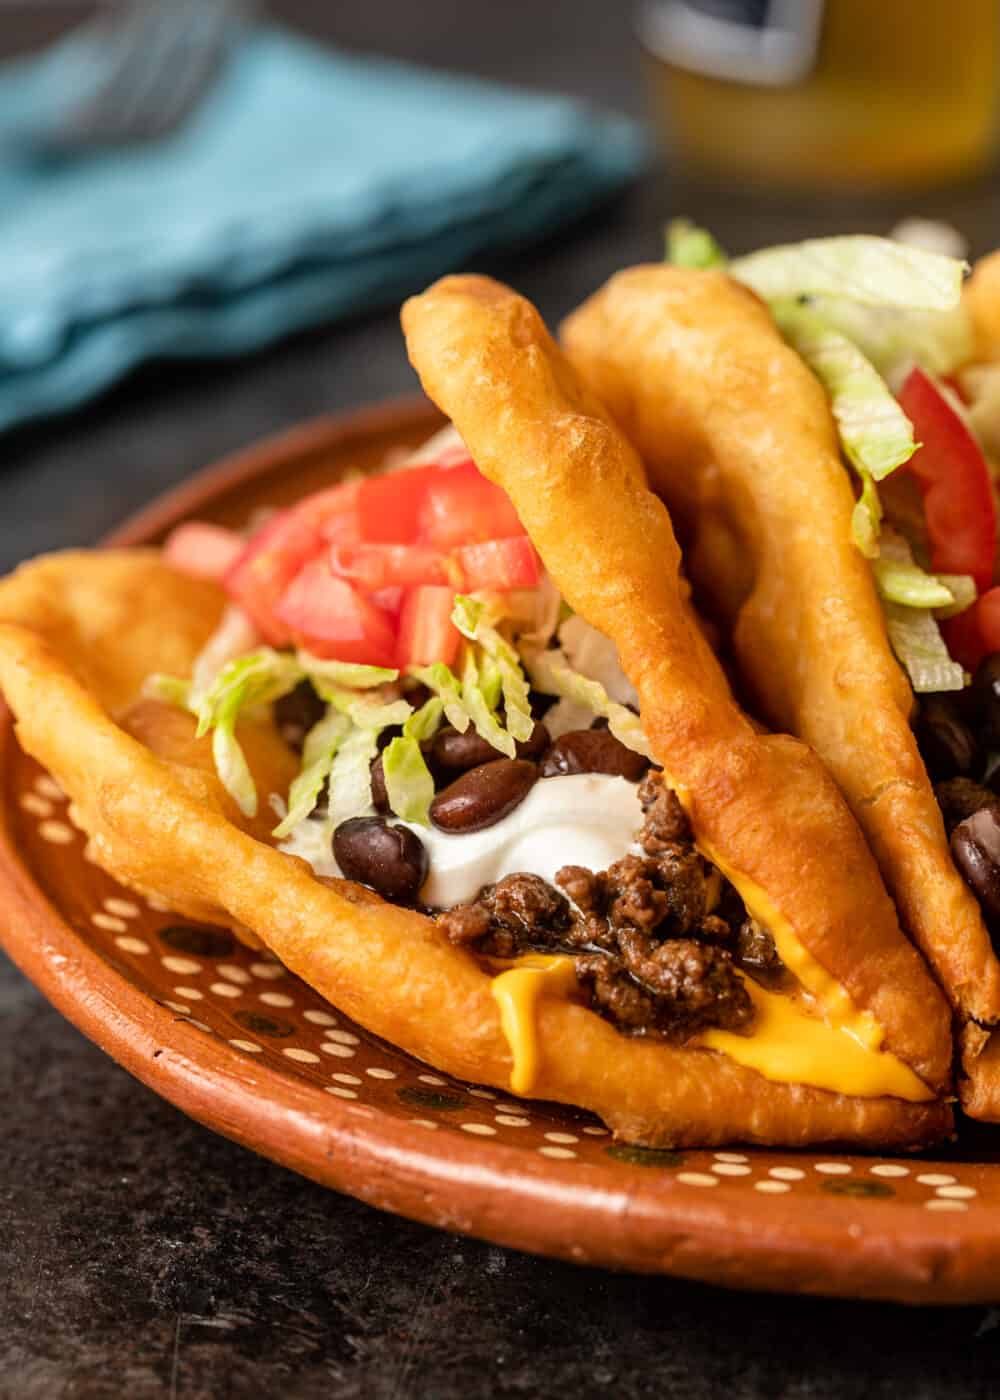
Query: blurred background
[(210, 209)]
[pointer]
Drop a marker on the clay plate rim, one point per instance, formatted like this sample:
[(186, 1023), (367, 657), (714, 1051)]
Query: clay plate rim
[(620, 1216)]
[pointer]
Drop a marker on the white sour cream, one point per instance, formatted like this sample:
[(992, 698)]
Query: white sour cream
[(586, 819)]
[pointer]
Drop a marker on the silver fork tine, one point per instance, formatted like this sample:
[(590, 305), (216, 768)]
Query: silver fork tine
[(163, 56), (200, 51)]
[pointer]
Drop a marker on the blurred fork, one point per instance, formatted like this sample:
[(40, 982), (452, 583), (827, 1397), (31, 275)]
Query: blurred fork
[(155, 60)]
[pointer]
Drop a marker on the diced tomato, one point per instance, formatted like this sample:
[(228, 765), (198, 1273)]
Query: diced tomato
[(500, 564), (461, 507), (206, 551), (456, 456), (329, 618), (426, 631), (333, 512), (974, 633), (954, 481), (268, 564), (390, 600), (374, 566), (389, 506)]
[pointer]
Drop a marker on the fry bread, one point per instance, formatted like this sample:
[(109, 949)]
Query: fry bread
[(739, 441), (762, 806), (384, 966)]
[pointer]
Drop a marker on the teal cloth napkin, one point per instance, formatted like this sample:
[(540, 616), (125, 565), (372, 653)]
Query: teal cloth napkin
[(305, 186)]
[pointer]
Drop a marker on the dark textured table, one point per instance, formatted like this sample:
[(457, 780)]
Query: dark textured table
[(144, 1257)]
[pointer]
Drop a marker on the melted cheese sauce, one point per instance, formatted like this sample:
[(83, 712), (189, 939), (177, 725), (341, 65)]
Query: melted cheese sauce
[(791, 1047), (787, 1044), (517, 992)]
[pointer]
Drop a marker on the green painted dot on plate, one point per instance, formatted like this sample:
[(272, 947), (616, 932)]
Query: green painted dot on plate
[(842, 1187), (264, 1025), (431, 1098), (644, 1156), (192, 938)]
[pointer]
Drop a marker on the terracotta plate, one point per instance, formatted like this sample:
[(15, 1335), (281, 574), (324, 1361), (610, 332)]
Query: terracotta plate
[(244, 1047)]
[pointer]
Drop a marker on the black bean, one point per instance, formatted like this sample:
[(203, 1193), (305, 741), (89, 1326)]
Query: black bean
[(389, 859), (541, 704), (947, 744), (984, 700), (452, 752), (958, 798), (483, 795), (380, 796), (297, 712), (975, 844), (593, 751)]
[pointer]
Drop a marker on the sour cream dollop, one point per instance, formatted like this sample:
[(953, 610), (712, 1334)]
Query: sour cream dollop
[(587, 819)]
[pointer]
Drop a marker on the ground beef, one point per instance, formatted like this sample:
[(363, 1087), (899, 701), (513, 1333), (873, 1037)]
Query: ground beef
[(755, 948), (665, 820), (655, 938), (517, 913), (677, 987)]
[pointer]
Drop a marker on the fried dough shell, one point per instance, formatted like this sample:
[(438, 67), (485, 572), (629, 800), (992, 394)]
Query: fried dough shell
[(761, 805), (738, 439), (157, 827)]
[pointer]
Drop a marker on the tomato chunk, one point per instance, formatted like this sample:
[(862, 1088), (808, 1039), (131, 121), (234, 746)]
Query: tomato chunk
[(389, 506), (267, 565), (426, 631), (332, 512), (206, 551), (331, 619), (500, 564), (461, 507), (375, 566), (954, 480)]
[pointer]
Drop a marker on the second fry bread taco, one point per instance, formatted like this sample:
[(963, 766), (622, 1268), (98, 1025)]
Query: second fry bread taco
[(409, 735), (749, 395)]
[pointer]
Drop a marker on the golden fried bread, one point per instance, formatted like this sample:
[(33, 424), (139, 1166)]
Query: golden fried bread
[(486, 359), (738, 439)]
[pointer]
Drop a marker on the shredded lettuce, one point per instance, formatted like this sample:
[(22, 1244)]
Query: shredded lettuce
[(350, 775), (909, 585), (552, 674), (872, 271), (234, 637), (425, 722), (258, 678), (409, 783), (876, 434), (346, 674), (893, 338), (440, 679), (866, 518), (916, 639), (690, 246), (486, 724), (913, 631), (470, 617), (318, 753), (172, 690)]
